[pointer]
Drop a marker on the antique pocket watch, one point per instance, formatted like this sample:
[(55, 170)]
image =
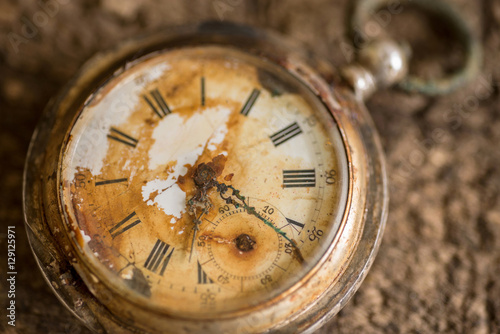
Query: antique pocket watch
[(205, 179)]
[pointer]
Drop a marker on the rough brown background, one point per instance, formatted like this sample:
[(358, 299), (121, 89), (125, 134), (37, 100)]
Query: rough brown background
[(438, 269)]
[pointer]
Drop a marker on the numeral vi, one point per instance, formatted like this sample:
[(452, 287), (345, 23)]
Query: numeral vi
[(158, 258)]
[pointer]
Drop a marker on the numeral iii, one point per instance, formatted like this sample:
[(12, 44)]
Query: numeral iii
[(299, 178)]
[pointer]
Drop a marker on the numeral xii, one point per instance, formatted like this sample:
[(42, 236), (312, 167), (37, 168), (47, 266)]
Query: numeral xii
[(157, 103), (299, 178)]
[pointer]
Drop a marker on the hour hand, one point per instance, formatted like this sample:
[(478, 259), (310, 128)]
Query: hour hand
[(197, 223)]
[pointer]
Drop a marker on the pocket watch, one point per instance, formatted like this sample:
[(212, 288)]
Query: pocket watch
[(208, 179)]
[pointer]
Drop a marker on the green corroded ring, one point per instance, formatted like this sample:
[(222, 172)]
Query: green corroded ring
[(364, 10)]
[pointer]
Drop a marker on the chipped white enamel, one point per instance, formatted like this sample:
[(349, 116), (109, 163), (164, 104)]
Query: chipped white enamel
[(187, 134), (113, 109)]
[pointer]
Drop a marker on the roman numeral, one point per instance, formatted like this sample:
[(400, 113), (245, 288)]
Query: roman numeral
[(161, 108), (158, 259), (294, 222), (299, 178), (102, 183), (250, 102), (124, 225), (202, 276), (203, 91), (121, 137), (286, 134)]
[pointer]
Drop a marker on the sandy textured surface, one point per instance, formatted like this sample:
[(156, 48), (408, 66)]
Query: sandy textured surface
[(438, 269)]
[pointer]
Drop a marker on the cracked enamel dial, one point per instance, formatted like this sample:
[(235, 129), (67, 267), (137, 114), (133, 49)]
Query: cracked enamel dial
[(127, 181)]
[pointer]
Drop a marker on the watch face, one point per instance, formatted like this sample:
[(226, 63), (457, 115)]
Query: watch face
[(131, 201)]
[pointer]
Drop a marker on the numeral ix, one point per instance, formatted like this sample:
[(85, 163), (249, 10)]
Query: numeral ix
[(105, 182)]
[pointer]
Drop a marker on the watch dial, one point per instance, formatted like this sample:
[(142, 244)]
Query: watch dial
[(131, 202)]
